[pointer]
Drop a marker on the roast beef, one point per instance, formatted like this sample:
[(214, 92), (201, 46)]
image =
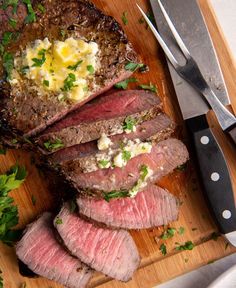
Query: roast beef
[(163, 159), (104, 115), (150, 208), (112, 252), (43, 254), (84, 155), (22, 110)]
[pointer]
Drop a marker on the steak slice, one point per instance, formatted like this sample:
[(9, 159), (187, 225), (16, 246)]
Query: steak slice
[(150, 208), (163, 159), (112, 252), (43, 254), (104, 115), (84, 155), (23, 111)]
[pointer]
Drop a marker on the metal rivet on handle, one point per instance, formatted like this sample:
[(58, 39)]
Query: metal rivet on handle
[(226, 214), (205, 140), (215, 176)]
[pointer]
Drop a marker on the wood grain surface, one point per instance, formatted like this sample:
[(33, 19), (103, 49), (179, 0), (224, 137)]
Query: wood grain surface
[(194, 215)]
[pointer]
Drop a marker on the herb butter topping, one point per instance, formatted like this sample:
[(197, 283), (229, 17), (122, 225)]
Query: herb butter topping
[(63, 67)]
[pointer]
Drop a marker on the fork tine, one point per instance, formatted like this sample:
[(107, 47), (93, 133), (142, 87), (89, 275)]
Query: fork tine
[(175, 32), (160, 40)]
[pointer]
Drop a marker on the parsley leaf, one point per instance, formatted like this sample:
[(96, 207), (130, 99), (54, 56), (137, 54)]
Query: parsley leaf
[(13, 22), (38, 62), (169, 233), (126, 155), (124, 84), (69, 82), (31, 17), (12, 3), (131, 66), (163, 249), (91, 69), (149, 87), (8, 64), (124, 17), (143, 172), (58, 221), (50, 146), (41, 8), (129, 124), (46, 83), (103, 163), (186, 246), (181, 230), (115, 194), (74, 67), (6, 38)]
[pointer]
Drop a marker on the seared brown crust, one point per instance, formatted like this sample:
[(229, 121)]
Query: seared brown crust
[(22, 111)]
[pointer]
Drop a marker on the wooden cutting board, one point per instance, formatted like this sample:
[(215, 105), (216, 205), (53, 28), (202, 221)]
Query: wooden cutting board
[(194, 215)]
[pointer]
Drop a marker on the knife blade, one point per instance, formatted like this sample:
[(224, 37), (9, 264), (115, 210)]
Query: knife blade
[(213, 169)]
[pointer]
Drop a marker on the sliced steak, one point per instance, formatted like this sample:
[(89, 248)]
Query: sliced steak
[(104, 115), (84, 155), (112, 252), (43, 254), (150, 208), (163, 159), (23, 110)]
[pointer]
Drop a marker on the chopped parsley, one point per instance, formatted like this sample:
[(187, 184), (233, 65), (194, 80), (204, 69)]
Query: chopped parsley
[(1, 49), (9, 213), (69, 82), (38, 62), (73, 205), (31, 17), (8, 64), (41, 8), (124, 17), (3, 151), (143, 172), (90, 69), (131, 66), (6, 38), (129, 124), (163, 249), (181, 230), (149, 87), (46, 83), (186, 246), (62, 33), (124, 84), (74, 67), (12, 22), (1, 280), (12, 3), (103, 163), (58, 221), (50, 146), (169, 233), (126, 155), (33, 200), (182, 167), (115, 194)]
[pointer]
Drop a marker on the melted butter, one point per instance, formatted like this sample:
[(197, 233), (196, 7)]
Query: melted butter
[(60, 60)]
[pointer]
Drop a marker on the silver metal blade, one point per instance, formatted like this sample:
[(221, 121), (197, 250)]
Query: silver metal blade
[(191, 26), (231, 237)]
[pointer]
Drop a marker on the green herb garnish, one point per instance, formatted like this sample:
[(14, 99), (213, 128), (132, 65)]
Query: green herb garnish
[(41, 8), (129, 124), (13, 22), (73, 205), (38, 62), (58, 221), (169, 233), (126, 155), (1, 280), (74, 67), (143, 172), (215, 236), (12, 3), (31, 17), (69, 82), (3, 151), (124, 84), (50, 146), (90, 69), (103, 163), (131, 66), (163, 249), (8, 212), (187, 246), (62, 33), (46, 83), (6, 38), (33, 200), (181, 230), (115, 194), (124, 18), (8, 64), (149, 87), (182, 167)]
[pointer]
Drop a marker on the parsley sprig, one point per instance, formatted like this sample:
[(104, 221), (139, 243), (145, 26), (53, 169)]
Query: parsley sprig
[(31, 17), (8, 64), (129, 124), (12, 3), (124, 84), (38, 62), (74, 67), (131, 66), (69, 82), (115, 194), (50, 146)]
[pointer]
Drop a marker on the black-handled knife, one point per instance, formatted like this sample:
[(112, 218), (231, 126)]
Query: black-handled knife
[(189, 22), (214, 174)]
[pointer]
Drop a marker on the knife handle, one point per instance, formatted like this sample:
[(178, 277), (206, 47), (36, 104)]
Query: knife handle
[(214, 173), (232, 133)]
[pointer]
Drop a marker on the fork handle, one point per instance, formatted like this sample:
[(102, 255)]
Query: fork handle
[(232, 133), (214, 173)]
